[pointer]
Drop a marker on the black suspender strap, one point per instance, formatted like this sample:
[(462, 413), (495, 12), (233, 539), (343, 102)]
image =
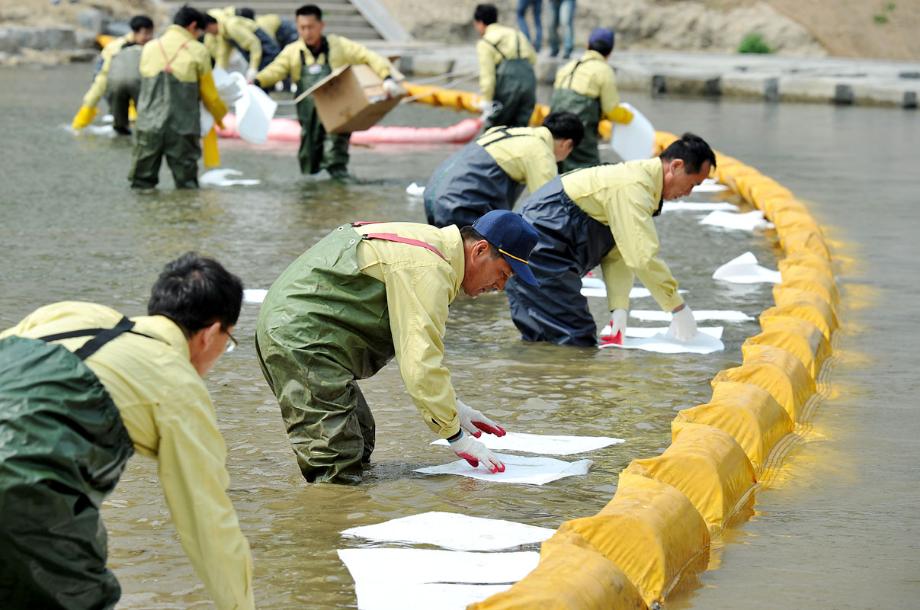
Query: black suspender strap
[(505, 135), (100, 336), (495, 46), (575, 69)]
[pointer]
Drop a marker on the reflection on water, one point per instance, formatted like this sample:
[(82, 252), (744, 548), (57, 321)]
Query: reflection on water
[(71, 229)]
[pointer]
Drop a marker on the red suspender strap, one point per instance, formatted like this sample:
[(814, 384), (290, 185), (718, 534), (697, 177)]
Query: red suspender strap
[(405, 240)]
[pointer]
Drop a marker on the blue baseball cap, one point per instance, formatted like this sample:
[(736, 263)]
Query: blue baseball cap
[(602, 37), (514, 237)]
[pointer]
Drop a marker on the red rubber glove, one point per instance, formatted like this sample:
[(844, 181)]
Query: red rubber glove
[(475, 423)]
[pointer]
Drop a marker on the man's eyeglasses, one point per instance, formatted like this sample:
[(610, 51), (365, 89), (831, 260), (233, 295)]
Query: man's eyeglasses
[(232, 344)]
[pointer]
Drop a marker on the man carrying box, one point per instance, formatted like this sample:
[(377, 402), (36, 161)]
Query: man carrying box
[(308, 61)]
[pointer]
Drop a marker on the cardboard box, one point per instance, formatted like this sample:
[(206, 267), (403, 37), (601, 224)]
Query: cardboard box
[(350, 99)]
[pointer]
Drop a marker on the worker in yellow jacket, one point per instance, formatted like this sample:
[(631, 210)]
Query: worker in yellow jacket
[(362, 295), (604, 215), (490, 172), (81, 389), (507, 82), (309, 60), (118, 77), (225, 31), (175, 79), (587, 87), (283, 31)]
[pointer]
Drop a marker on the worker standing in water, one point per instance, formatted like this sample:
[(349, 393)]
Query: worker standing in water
[(81, 389), (225, 31), (118, 78), (587, 87), (361, 295), (175, 79), (309, 60), (604, 215), (490, 172), (507, 82)]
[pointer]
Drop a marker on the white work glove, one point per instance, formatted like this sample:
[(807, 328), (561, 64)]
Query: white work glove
[(251, 74), (476, 453), (392, 88), (615, 331), (473, 421), (683, 324)]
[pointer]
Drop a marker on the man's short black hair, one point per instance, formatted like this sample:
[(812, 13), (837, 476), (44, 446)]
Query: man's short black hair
[(194, 292), (309, 9), (187, 15), (140, 22), (486, 14), (246, 12), (565, 126), (693, 150), (469, 234)]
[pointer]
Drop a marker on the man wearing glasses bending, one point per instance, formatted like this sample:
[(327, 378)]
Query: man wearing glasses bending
[(81, 388)]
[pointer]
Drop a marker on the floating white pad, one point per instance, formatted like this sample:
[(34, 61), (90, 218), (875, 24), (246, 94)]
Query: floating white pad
[(425, 596), (543, 444), (406, 566), (452, 531), (710, 186), (415, 190), (518, 469), (254, 295), (745, 270), (222, 177), (649, 315), (740, 222), (254, 111), (636, 139), (595, 287), (692, 206), (707, 340)]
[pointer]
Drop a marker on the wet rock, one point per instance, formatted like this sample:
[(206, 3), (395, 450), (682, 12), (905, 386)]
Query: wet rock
[(92, 19)]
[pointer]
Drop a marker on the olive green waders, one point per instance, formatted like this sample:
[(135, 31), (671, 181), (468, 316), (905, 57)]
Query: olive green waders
[(318, 150), (323, 326), (588, 109), (124, 85), (63, 447), (168, 124), (515, 90)]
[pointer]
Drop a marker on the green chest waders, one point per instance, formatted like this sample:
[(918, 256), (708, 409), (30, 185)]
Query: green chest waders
[(168, 124), (63, 447), (515, 90), (124, 84), (318, 150), (588, 109), (324, 325)]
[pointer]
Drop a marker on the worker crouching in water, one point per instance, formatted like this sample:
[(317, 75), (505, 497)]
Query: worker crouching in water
[(225, 31), (308, 61), (81, 389), (175, 79), (365, 293), (490, 173), (604, 215), (587, 88), (507, 82), (118, 78)]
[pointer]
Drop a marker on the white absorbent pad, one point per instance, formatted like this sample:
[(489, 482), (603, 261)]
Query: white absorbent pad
[(254, 295), (738, 222), (452, 531), (424, 596), (693, 206), (707, 340), (544, 444), (595, 287), (710, 186), (224, 177), (518, 469), (745, 270), (415, 190), (700, 315)]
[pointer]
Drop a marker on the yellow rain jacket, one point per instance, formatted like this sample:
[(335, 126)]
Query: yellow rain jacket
[(420, 287), (236, 29), (168, 413), (594, 78), (625, 197), (97, 89), (507, 41), (528, 160), (342, 52), (269, 23)]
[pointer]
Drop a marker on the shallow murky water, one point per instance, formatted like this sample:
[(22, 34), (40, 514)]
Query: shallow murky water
[(71, 229)]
